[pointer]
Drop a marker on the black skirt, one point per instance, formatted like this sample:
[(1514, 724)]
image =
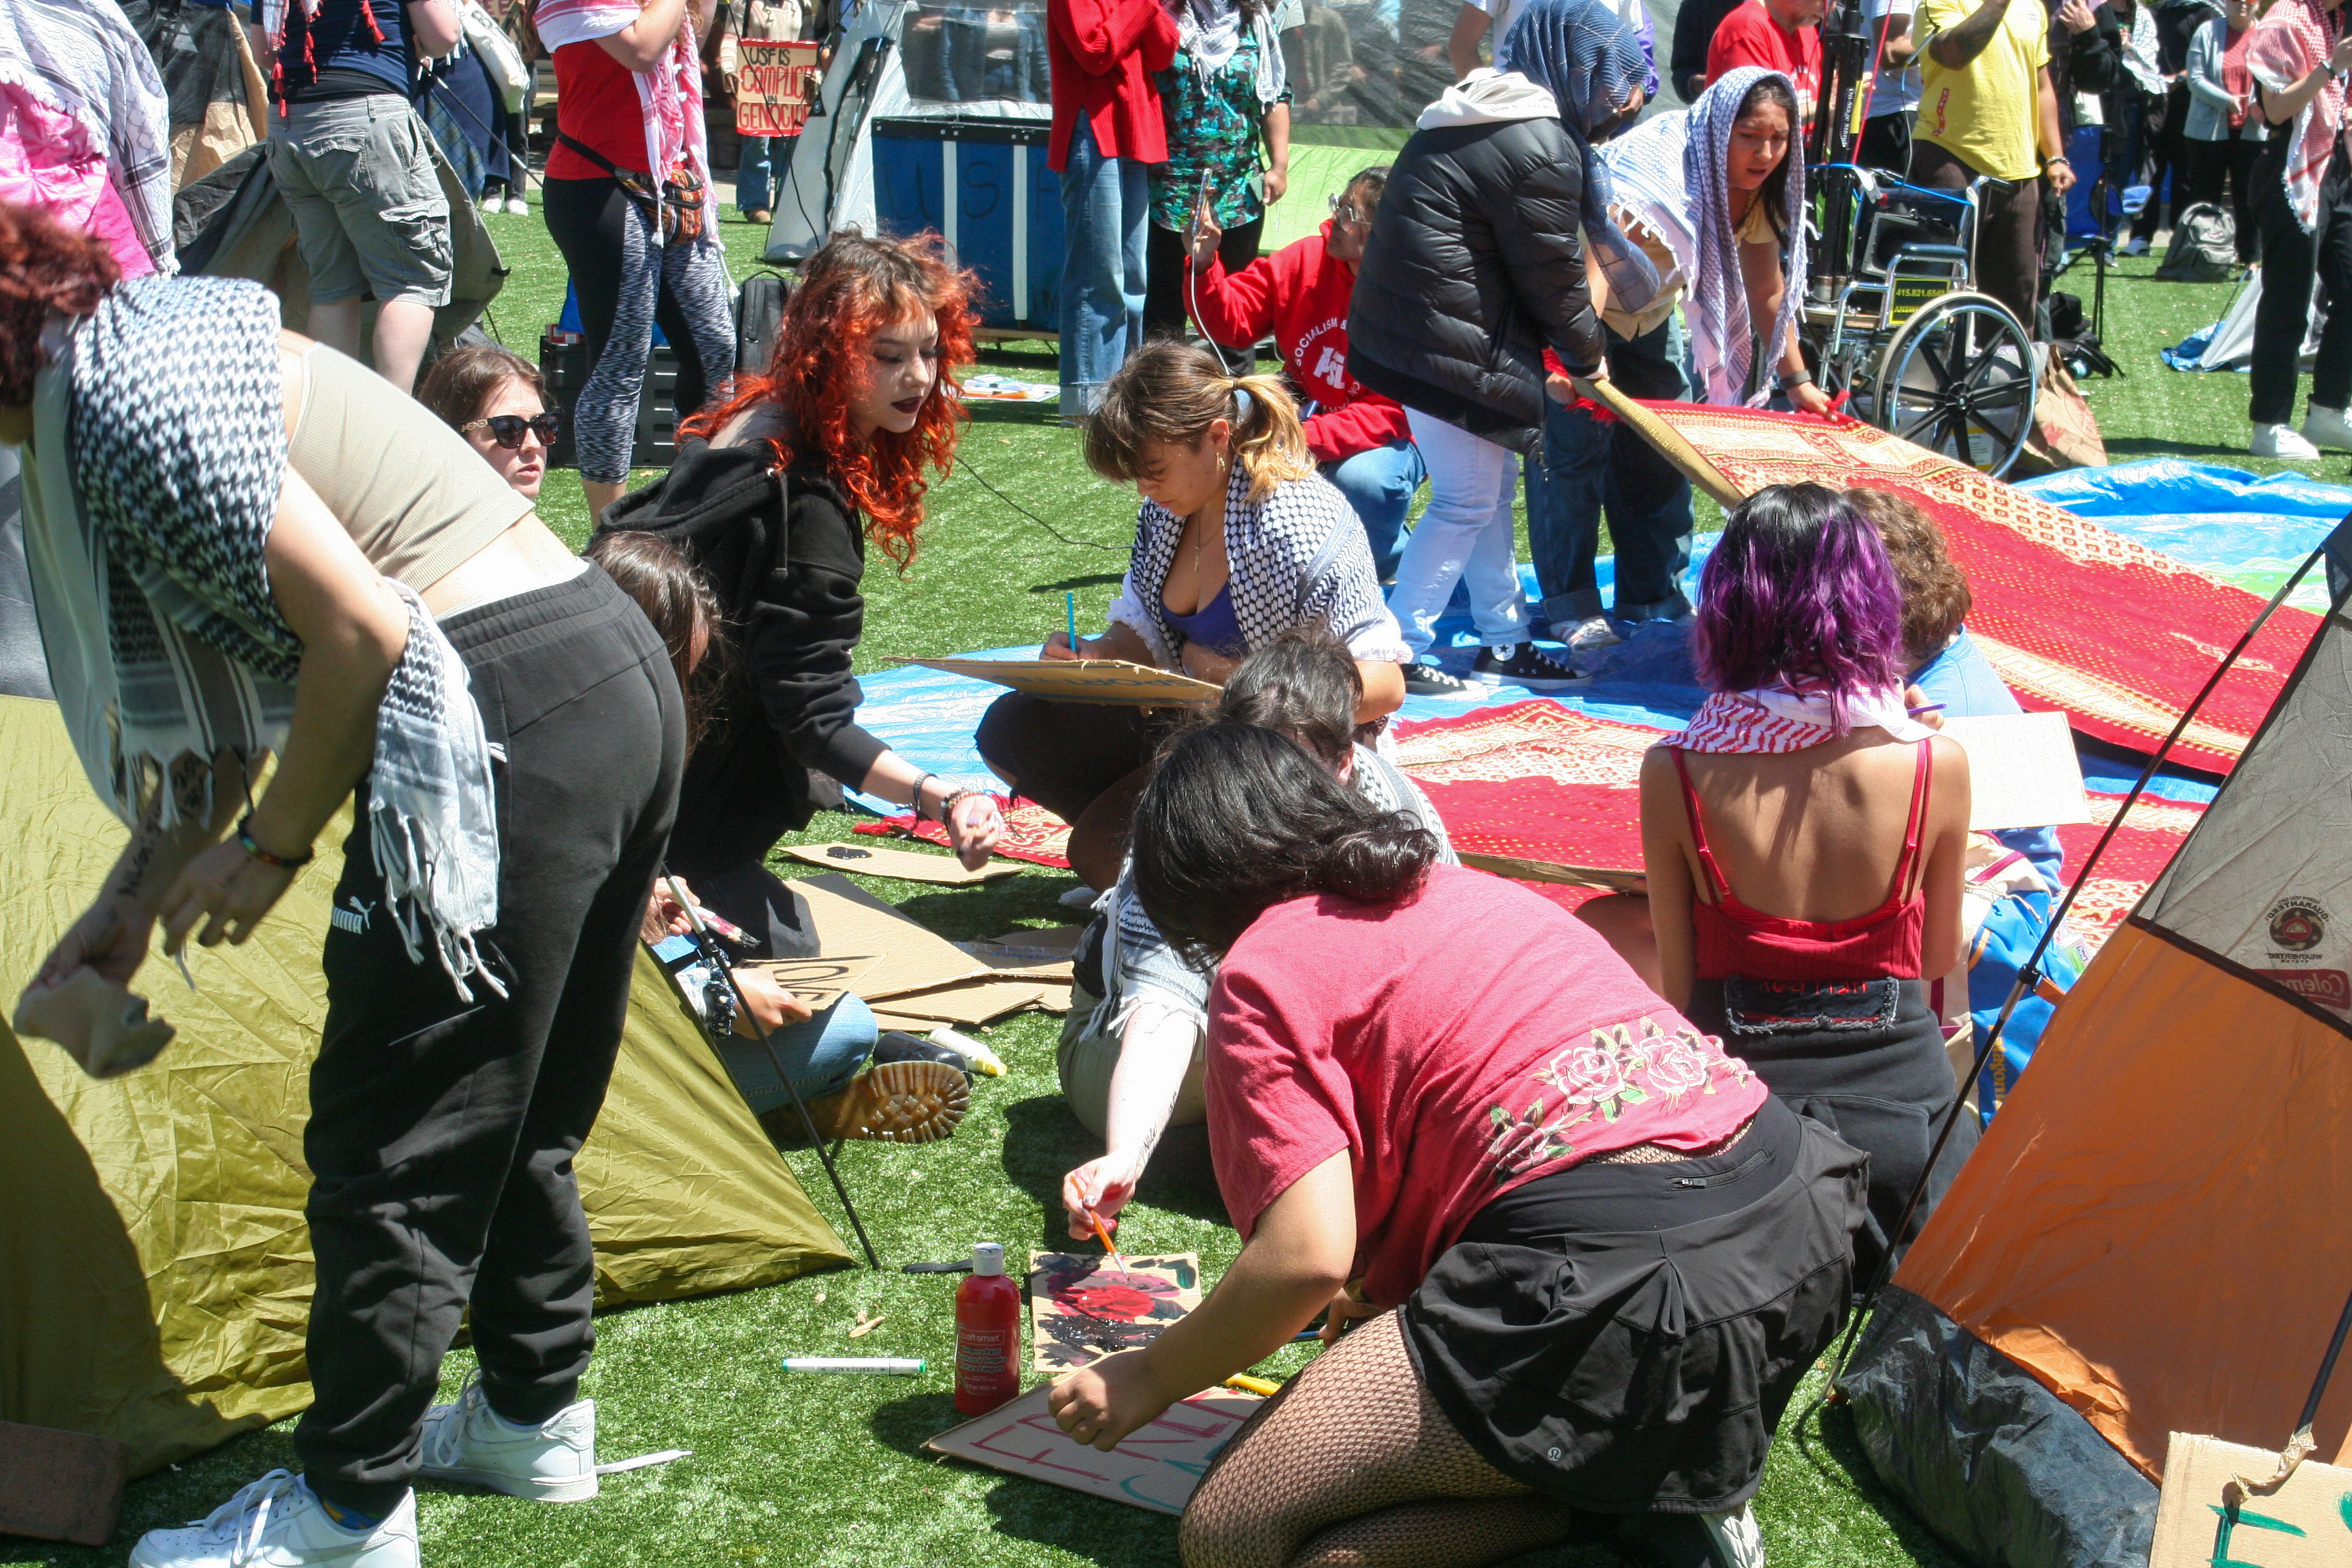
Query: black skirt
[(1866, 1058), (1592, 1342)]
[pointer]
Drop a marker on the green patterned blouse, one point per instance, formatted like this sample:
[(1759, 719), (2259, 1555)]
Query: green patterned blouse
[(1219, 129)]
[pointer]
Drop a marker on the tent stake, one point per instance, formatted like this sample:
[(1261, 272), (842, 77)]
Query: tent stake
[(704, 940), (2030, 972)]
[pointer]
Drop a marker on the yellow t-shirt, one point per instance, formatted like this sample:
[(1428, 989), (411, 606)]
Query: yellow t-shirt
[(1985, 112)]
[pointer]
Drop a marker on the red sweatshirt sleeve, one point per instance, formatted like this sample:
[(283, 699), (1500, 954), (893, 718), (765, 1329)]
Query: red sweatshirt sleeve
[(1337, 434), (1234, 310), (1101, 33)]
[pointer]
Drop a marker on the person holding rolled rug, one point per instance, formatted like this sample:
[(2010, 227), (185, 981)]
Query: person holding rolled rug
[(245, 544), (1575, 1259), (1475, 267)]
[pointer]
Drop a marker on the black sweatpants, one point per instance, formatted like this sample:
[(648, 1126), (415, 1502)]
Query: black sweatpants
[(1886, 143), (2232, 162), (442, 1131), (2282, 316), (2009, 239), (1165, 310)]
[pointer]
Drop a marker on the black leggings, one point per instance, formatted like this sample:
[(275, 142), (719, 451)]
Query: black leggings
[(442, 1131), (2291, 259), (627, 283)]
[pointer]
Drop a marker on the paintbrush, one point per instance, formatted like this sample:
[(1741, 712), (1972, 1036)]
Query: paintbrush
[(1103, 1236)]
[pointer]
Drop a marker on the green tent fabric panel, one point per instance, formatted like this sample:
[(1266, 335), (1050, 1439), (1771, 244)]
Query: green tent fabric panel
[(1318, 172), (154, 1265)]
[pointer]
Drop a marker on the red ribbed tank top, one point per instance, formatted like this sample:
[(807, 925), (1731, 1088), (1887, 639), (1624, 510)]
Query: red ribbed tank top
[(1733, 938)]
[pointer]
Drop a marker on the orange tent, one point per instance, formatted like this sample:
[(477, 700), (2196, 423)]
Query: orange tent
[(2151, 1237)]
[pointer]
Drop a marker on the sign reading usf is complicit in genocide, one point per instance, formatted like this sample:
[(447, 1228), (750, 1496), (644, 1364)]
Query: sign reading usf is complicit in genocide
[(774, 82)]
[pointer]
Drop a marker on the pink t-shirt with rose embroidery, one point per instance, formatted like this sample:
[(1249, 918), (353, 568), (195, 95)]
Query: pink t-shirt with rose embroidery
[(1456, 1044)]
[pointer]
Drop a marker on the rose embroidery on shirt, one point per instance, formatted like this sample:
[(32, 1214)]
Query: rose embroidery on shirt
[(1610, 1072)]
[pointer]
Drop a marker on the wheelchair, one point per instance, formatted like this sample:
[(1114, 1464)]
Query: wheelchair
[(1894, 321)]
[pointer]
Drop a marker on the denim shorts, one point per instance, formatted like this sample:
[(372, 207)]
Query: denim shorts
[(368, 212)]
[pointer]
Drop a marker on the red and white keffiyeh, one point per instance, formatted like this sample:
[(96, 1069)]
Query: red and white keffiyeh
[(670, 95), (2291, 41), (1775, 721)]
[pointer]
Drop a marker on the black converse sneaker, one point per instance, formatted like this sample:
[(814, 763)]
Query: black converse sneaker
[(1521, 665), (1428, 681)]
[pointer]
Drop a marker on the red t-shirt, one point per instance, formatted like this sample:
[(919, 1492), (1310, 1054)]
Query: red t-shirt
[(1749, 36), (1456, 1044), (596, 105)]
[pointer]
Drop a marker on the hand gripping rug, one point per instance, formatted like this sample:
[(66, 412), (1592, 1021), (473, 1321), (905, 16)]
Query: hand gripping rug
[(2076, 618)]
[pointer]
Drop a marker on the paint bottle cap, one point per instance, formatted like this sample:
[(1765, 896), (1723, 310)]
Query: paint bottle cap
[(988, 1257)]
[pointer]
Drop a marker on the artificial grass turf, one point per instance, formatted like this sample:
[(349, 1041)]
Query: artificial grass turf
[(827, 1471)]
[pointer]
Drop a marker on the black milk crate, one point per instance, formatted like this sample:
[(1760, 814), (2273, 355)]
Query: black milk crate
[(565, 367)]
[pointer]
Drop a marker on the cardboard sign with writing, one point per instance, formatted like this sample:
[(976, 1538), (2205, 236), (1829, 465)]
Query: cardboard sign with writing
[(848, 920), (2204, 1517), (1155, 1467), (1082, 679), (774, 82)]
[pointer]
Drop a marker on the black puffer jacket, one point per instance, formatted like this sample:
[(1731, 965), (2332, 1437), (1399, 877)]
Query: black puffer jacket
[(786, 572), (1474, 267)]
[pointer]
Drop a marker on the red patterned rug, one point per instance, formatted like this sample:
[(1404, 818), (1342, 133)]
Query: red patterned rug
[(1031, 832), (2076, 618)]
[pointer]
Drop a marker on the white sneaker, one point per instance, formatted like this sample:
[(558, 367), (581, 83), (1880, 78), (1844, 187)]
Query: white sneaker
[(1593, 632), (1727, 1540), (518, 206), (2282, 441), (2327, 427), (277, 1522), (469, 1442), (2135, 246)]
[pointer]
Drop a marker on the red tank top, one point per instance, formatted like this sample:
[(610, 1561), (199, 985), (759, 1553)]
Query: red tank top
[(1733, 938)]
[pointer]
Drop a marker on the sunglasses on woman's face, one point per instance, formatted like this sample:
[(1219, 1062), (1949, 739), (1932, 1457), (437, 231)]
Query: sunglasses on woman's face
[(507, 429)]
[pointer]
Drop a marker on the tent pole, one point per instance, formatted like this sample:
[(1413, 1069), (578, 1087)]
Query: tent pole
[(718, 960), (2029, 973)]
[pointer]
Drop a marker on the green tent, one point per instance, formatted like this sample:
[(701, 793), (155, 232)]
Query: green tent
[(155, 1266)]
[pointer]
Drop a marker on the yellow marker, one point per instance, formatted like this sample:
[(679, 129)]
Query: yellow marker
[(1254, 1385)]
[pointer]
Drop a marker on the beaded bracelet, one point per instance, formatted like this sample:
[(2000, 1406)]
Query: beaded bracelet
[(283, 862)]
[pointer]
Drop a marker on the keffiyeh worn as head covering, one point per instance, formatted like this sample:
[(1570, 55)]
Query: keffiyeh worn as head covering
[(1717, 305), (1584, 55), (158, 458), (2291, 41)]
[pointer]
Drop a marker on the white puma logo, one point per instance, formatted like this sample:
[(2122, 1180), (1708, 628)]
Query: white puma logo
[(354, 919)]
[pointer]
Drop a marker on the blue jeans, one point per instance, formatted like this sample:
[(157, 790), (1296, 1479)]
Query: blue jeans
[(1587, 466), (1105, 208), (820, 1057), (1379, 484), (757, 170)]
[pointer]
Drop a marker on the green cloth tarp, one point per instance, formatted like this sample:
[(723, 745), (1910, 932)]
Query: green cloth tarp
[(154, 1265)]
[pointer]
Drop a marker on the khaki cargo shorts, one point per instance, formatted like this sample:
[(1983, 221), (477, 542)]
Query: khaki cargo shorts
[(369, 214)]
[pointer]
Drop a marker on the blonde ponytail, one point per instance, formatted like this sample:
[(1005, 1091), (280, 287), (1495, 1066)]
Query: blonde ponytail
[(1269, 442)]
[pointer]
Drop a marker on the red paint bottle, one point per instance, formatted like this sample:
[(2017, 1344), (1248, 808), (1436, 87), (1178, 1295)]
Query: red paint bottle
[(988, 1334)]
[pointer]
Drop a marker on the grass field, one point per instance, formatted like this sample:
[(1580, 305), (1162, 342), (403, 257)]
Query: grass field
[(819, 1472)]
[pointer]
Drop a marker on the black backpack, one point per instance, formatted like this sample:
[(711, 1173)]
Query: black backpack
[(759, 311), (2204, 248)]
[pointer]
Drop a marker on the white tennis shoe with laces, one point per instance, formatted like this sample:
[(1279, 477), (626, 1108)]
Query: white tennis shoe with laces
[(470, 1443), (278, 1523)]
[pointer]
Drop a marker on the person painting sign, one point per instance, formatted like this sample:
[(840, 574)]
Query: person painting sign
[(775, 80)]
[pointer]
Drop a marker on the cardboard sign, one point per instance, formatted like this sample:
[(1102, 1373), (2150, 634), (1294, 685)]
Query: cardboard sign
[(1083, 679), (774, 82), (1155, 1466), (2022, 772), (2206, 1519), (905, 865), (848, 920), (1082, 1307), (819, 981)]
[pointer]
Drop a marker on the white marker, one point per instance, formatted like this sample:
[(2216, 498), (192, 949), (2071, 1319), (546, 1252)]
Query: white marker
[(889, 1366), (980, 1056)]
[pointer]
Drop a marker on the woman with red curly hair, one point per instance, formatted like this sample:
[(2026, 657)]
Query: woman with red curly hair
[(775, 494)]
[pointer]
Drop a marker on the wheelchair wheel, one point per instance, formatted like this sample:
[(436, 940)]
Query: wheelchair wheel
[(1958, 377)]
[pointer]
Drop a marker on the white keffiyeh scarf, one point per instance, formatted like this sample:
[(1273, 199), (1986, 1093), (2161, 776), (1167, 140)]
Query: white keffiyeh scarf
[(1776, 720), (1721, 334), (158, 456)]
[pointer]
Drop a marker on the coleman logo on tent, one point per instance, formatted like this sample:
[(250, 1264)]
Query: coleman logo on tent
[(2297, 925), (2327, 987)]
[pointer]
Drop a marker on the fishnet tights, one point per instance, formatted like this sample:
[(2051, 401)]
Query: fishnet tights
[(1353, 1466)]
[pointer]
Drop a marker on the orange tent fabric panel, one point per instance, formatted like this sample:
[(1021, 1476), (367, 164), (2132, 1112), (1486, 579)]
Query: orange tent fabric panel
[(2154, 1225)]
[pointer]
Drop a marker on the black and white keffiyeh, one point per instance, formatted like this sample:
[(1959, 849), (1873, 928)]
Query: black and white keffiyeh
[(1297, 555), (1140, 966), (159, 455)]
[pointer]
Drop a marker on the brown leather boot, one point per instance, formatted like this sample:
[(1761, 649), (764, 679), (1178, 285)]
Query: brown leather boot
[(895, 1102)]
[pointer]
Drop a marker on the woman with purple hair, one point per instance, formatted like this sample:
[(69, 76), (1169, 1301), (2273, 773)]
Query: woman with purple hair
[(1804, 840)]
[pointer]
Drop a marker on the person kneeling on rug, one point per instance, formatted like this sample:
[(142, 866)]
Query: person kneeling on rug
[(1238, 539), (1582, 1258), (915, 1091), (1130, 1058), (1804, 840)]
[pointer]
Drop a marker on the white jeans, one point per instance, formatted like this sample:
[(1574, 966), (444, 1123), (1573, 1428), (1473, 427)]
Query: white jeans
[(1467, 534)]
